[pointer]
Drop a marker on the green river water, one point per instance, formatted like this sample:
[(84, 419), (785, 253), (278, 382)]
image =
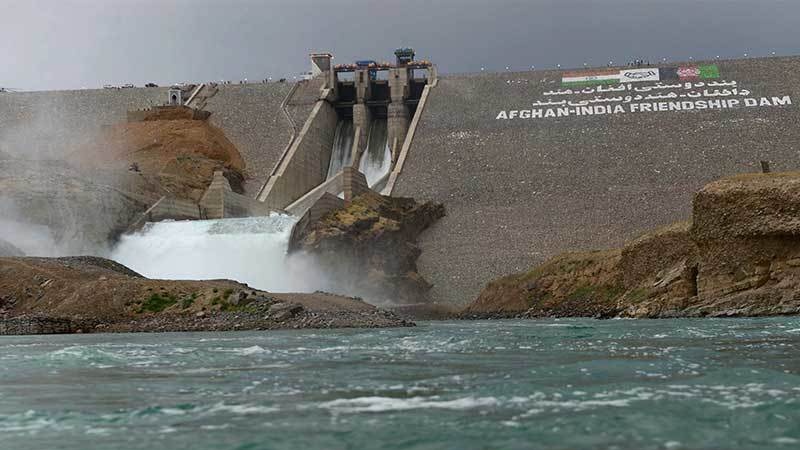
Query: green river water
[(555, 384)]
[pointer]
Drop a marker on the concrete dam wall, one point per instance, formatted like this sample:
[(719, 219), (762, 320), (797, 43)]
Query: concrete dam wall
[(525, 177)]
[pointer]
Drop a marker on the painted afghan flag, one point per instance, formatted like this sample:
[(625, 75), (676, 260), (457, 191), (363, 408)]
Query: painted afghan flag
[(570, 79), (711, 71)]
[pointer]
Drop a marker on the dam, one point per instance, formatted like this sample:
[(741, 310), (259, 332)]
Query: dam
[(528, 164), (524, 186)]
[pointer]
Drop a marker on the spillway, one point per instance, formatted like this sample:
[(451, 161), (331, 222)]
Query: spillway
[(252, 250), (341, 155), (377, 160)]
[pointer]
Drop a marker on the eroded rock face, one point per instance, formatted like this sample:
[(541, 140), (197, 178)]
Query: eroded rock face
[(739, 257), (370, 247)]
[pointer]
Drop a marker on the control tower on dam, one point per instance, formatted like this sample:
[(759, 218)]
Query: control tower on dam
[(531, 164), (363, 106)]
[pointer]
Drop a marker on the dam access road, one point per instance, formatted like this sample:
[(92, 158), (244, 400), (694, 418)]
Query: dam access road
[(523, 176)]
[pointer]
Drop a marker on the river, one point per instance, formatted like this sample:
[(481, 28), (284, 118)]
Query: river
[(555, 384)]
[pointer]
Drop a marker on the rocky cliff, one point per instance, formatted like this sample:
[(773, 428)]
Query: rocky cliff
[(370, 247), (740, 256)]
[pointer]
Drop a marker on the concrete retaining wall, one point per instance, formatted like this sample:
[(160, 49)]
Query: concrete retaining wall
[(167, 208), (519, 191), (236, 205), (333, 186), (354, 183), (175, 209), (306, 163), (219, 201)]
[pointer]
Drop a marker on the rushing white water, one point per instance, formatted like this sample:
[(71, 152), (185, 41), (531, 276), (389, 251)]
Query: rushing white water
[(377, 160), (341, 153), (252, 250)]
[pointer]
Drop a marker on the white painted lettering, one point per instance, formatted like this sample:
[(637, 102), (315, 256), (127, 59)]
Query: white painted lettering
[(782, 101)]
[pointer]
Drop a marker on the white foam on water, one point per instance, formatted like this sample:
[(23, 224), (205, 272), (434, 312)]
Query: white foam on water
[(245, 409), (254, 350), (382, 404), (251, 250)]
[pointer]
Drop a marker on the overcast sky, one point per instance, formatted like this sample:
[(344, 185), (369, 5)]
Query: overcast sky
[(55, 44)]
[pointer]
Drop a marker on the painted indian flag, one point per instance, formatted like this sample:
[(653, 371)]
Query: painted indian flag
[(590, 78)]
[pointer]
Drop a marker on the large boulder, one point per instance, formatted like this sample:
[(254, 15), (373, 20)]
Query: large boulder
[(370, 247)]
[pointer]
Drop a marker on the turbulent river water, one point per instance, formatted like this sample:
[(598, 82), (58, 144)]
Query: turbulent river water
[(559, 384)]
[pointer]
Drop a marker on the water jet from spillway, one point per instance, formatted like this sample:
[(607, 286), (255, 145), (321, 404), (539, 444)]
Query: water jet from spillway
[(377, 160), (251, 250), (341, 153)]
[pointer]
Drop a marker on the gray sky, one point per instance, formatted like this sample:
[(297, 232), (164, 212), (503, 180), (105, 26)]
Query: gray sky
[(52, 44)]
